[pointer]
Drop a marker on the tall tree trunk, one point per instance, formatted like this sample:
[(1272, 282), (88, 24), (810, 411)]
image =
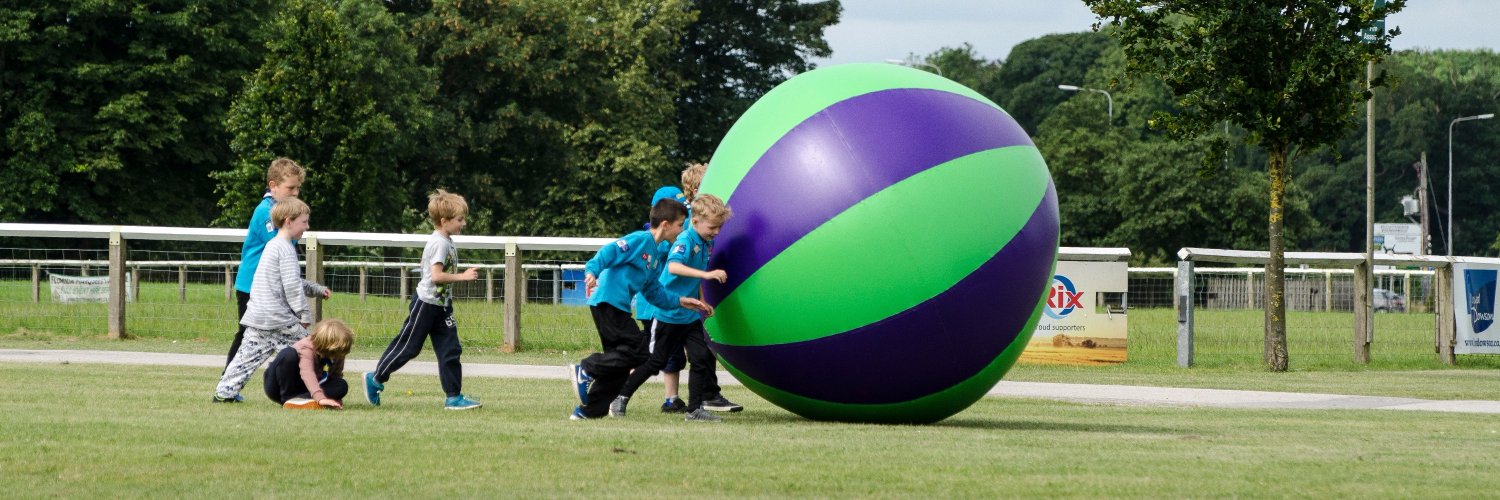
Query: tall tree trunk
[(1275, 345)]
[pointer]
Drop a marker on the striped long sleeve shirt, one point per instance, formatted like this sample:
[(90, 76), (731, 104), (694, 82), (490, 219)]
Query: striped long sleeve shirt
[(278, 297)]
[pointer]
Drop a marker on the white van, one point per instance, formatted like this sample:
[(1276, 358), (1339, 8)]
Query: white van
[(1388, 301)]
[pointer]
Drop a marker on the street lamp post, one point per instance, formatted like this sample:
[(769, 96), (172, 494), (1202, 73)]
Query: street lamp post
[(1455, 121), (917, 63), (1107, 97)]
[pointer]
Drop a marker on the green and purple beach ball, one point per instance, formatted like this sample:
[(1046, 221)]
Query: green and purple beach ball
[(893, 239)]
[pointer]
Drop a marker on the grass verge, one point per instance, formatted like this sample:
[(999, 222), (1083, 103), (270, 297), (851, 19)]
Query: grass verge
[(131, 431)]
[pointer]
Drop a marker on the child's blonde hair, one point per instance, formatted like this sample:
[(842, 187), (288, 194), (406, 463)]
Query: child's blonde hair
[(332, 338), (692, 176), (289, 208), (284, 168), (445, 205), (711, 209)]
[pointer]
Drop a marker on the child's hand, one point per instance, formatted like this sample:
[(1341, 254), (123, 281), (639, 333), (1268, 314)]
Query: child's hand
[(700, 306), (327, 293), (470, 275), (332, 404), (589, 284), (717, 275)]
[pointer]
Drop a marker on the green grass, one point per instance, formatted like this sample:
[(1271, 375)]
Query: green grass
[(130, 431), (1228, 350), (208, 316)]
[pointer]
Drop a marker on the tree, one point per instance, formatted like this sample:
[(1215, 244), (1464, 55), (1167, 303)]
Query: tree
[(1026, 85), (552, 117), (1287, 73), (339, 92), (1125, 184), (735, 52), (111, 112), (963, 65)]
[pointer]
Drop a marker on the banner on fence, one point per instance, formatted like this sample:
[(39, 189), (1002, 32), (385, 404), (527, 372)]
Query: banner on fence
[(1083, 321), (76, 289), (1474, 304)]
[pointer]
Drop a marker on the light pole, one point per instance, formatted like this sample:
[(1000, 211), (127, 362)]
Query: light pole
[(1107, 98), (917, 63), (1455, 121)]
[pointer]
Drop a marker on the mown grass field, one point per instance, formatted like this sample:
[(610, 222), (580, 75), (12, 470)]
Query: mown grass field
[(206, 321), (133, 431)]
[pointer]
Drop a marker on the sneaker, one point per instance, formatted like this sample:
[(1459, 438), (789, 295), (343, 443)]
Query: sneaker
[(372, 389), (578, 414), (718, 403), (673, 404), (460, 402), (301, 404), (581, 383), (236, 399), (699, 415), (617, 407)]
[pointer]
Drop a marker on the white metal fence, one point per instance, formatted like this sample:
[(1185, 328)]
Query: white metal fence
[(1220, 312), (189, 295)]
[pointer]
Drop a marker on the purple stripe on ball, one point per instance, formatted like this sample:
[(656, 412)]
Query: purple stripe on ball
[(1001, 295), (886, 137)]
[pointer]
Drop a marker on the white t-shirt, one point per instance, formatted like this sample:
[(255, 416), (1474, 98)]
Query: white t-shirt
[(439, 250)]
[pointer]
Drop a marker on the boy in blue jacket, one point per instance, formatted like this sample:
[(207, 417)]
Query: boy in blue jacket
[(687, 267), (620, 270)]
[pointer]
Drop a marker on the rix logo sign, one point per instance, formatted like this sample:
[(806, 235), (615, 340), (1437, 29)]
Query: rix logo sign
[(1062, 298)]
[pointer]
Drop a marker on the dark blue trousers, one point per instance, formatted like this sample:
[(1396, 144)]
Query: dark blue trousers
[(422, 322)]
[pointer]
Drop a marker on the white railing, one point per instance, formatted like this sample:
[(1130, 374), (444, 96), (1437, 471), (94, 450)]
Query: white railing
[(514, 247), (1441, 268)]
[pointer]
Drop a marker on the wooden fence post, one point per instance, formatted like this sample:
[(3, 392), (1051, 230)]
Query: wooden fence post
[(135, 285), (116, 285), (1184, 294), (315, 273), (1363, 316), (1327, 291), (1444, 303), (228, 283), (363, 276), (515, 294), (489, 284), (36, 283), (401, 277), (182, 284)]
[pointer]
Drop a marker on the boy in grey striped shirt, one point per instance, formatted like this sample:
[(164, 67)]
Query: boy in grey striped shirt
[(278, 312)]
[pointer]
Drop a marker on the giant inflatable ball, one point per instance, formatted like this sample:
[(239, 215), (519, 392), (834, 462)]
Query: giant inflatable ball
[(893, 238)]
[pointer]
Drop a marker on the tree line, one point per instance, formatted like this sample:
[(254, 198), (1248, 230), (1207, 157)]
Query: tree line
[(560, 117), (553, 117), (1124, 182)]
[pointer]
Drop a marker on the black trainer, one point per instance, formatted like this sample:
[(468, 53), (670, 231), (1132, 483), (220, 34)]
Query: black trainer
[(718, 403), (673, 404)]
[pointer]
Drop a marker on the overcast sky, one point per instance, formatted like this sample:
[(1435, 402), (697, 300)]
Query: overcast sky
[(875, 30)]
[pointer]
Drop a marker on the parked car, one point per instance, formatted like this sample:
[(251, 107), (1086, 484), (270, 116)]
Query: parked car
[(1388, 301)]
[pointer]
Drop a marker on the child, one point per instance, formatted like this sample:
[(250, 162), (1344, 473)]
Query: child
[(283, 180), (431, 314), (278, 313), (646, 313), (629, 265), (691, 178), (310, 374), (677, 328)]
